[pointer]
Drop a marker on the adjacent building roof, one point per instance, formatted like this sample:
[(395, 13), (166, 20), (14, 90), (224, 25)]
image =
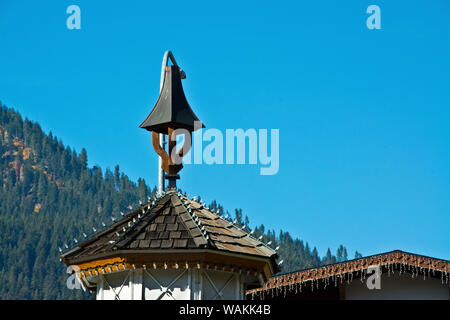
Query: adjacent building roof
[(343, 271), (172, 222)]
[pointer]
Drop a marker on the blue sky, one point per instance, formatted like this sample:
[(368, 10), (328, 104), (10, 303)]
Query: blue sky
[(363, 114)]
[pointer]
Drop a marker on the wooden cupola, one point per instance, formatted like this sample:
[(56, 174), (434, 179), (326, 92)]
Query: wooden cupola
[(172, 242), (172, 247)]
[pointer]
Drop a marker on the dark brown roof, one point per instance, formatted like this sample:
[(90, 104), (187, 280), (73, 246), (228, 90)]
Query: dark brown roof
[(354, 268), (170, 222)]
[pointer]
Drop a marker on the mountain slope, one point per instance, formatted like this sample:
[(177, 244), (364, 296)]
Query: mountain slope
[(49, 197)]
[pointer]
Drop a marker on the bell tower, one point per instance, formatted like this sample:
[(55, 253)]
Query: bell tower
[(172, 247)]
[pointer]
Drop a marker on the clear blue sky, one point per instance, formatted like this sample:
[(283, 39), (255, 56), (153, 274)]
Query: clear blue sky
[(363, 114)]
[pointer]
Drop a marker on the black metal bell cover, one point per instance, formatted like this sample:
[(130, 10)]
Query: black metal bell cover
[(172, 108)]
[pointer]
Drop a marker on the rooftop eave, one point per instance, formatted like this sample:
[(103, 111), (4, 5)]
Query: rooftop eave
[(149, 252)]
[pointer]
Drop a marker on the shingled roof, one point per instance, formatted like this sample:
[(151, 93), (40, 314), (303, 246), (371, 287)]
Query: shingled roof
[(170, 222)]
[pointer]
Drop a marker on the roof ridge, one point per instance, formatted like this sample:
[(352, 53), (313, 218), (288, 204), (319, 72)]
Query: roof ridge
[(146, 214), (188, 211)]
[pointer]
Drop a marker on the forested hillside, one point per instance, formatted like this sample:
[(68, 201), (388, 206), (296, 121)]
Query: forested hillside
[(50, 199)]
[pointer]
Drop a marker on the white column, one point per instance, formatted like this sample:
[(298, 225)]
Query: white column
[(137, 284), (242, 287), (194, 292), (190, 284), (197, 281), (237, 287)]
